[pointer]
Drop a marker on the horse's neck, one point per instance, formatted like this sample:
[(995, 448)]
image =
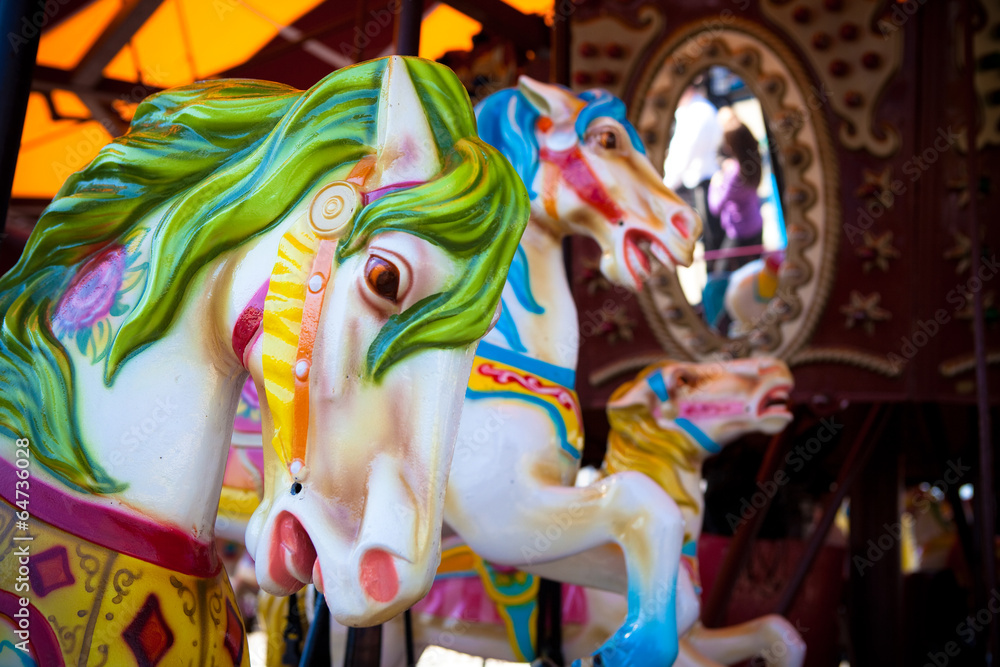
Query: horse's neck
[(693, 514), (163, 427), (539, 303), (682, 482)]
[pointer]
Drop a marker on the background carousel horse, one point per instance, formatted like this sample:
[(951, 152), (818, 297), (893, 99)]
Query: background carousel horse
[(520, 440), (751, 288), (664, 423), (346, 246)]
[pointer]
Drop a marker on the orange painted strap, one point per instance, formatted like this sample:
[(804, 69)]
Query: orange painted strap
[(311, 309), (359, 174), (550, 183)]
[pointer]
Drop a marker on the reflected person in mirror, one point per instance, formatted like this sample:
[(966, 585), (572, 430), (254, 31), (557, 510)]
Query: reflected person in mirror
[(692, 157), (732, 193)]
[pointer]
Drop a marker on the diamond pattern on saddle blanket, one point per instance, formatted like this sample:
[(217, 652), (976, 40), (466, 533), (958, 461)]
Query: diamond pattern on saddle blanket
[(50, 570), (148, 635)]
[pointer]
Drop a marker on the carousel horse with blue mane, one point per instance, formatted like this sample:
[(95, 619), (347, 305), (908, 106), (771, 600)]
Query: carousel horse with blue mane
[(519, 444), (520, 439), (346, 248)]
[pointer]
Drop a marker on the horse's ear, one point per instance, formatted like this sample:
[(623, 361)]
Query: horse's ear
[(551, 101), (406, 150)]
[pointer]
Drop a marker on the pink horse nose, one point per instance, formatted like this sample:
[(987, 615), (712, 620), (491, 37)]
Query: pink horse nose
[(378, 575)]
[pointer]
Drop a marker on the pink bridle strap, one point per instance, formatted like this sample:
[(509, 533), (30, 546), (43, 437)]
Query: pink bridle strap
[(580, 177), (711, 409), (248, 324)]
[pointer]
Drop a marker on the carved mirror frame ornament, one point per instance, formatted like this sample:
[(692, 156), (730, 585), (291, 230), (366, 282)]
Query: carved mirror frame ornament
[(794, 111)]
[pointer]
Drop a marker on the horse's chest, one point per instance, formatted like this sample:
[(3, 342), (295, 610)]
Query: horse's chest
[(68, 601)]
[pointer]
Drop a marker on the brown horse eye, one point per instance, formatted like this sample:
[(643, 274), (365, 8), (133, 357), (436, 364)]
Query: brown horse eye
[(382, 277), (608, 139)]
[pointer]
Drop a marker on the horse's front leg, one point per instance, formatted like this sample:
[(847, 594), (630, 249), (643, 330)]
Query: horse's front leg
[(507, 500), (770, 637)]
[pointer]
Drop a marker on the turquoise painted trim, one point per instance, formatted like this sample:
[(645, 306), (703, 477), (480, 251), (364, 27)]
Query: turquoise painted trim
[(565, 377), (554, 415), (709, 445), (463, 574), (507, 329), (690, 548), (520, 620), (519, 279), (655, 382)]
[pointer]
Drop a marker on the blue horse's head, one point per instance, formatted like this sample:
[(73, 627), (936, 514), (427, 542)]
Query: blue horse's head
[(587, 173)]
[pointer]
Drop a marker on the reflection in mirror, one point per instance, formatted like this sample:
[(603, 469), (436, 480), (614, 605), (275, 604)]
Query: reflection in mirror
[(720, 162)]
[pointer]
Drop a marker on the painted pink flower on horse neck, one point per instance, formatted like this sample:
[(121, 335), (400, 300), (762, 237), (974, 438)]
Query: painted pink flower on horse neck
[(92, 293)]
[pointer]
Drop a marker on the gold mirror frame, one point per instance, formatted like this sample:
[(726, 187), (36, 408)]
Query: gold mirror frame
[(810, 200)]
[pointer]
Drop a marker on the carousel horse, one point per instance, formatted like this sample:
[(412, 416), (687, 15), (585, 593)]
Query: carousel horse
[(664, 424), (510, 495), (346, 246), (521, 437), (751, 288)]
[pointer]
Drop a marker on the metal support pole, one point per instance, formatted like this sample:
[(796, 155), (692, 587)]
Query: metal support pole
[(560, 51), (857, 457), (985, 499), (713, 613), (549, 623), (364, 647), (21, 34), (408, 27)]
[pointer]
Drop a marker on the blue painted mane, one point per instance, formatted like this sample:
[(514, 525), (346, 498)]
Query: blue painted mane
[(507, 121)]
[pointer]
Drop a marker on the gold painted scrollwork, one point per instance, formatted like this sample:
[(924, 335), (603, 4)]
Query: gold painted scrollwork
[(855, 56)]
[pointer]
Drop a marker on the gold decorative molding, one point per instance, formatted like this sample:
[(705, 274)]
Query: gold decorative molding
[(603, 49), (847, 356), (854, 52), (623, 367), (966, 362), (810, 199), (985, 43)]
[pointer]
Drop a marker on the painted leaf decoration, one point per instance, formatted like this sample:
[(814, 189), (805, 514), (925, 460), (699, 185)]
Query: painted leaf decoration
[(100, 340), (82, 340), (133, 276)]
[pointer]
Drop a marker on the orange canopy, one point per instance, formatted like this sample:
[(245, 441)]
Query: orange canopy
[(188, 40)]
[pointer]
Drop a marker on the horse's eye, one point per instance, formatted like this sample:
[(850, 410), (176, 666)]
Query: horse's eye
[(382, 277), (608, 139), (685, 378)]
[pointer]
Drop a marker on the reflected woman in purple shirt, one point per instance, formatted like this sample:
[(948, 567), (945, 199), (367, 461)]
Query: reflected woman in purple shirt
[(732, 194)]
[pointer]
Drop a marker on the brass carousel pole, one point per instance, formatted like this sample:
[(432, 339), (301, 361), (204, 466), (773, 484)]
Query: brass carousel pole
[(21, 24), (986, 519)]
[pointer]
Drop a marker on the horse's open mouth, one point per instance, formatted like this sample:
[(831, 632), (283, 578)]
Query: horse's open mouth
[(640, 246), (775, 401), (292, 562)]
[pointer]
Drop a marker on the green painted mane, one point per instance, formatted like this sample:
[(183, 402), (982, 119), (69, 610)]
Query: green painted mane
[(225, 161)]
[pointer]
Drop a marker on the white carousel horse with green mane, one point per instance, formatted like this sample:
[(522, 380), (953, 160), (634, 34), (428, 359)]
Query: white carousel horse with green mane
[(346, 247), (520, 441)]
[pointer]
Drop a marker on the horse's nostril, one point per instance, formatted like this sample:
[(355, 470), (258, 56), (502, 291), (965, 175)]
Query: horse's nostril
[(681, 223), (378, 575)]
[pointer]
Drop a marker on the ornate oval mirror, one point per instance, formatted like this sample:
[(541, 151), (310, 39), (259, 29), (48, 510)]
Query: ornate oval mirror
[(766, 261)]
